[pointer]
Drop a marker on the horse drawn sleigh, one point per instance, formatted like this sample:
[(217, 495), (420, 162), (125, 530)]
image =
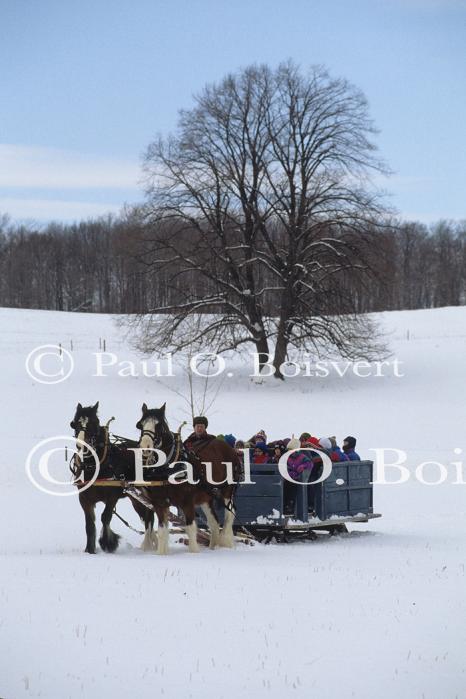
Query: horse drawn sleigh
[(254, 507)]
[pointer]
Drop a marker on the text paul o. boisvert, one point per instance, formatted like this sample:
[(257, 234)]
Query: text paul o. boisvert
[(210, 364)]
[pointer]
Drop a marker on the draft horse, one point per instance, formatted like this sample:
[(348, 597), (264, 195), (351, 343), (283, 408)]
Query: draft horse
[(155, 434), (115, 461)]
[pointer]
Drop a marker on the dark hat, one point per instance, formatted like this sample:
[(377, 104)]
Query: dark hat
[(200, 420), (262, 446), (230, 439), (349, 442)]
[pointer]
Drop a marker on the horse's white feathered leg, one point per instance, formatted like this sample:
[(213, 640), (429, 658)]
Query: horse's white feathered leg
[(163, 536), (213, 525), (226, 538), (191, 531), (149, 543)]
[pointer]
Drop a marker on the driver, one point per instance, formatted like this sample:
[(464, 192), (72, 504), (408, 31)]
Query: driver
[(200, 435)]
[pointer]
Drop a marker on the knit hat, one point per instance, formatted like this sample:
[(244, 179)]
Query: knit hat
[(230, 439), (261, 435), (304, 437), (277, 445), (325, 443), (349, 442), (262, 446), (200, 420), (293, 444), (334, 442)]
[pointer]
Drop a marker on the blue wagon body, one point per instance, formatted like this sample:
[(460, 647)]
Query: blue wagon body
[(345, 496), (351, 497)]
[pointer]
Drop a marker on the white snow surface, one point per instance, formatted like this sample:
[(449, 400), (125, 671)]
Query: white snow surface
[(379, 612)]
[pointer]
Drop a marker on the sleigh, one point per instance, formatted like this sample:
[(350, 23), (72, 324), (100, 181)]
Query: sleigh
[(346, 496)]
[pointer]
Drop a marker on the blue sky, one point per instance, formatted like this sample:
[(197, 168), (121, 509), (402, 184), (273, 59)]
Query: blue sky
[(85, 86)]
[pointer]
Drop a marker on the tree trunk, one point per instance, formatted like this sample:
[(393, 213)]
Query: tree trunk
[(280, 355), (262, 349), (284, 330)]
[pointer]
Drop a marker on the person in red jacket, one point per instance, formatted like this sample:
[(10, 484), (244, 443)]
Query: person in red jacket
[(260, 453)]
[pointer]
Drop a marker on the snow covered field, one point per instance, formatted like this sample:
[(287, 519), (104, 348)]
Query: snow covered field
[(377, 613)]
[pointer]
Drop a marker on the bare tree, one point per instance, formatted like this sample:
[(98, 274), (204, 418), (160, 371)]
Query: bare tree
[(263, 193)]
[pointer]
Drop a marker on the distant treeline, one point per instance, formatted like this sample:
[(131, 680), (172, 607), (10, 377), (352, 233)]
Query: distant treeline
[(105, 266)]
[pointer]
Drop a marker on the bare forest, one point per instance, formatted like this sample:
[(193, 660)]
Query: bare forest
[(98, 267)]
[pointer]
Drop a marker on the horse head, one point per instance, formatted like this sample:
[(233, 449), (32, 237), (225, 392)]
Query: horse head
[(155, 433), (86, 423)]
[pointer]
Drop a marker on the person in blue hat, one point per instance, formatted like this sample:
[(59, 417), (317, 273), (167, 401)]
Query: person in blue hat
[(349, 444)]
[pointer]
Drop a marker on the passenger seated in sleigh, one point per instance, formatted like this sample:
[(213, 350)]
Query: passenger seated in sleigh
[(297, 463)]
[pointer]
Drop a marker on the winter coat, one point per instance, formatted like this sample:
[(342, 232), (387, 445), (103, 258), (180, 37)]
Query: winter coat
[(193, 442), (240, 455), (338, 455), (352, 455), (260, 458), (279, 444), (297, 463)]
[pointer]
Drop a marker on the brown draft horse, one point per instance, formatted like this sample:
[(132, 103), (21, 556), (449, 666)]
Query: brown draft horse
[(114, 461), (155, 434)]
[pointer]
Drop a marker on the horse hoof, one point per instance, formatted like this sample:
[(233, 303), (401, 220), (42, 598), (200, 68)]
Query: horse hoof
[(149, 543), (110, 544), (148, 548)]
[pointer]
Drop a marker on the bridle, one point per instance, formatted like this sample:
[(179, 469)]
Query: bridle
[(152, 435), (93, 441), (175, 444)]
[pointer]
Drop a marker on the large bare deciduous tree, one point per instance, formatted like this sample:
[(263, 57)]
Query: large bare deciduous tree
[(259, 207)]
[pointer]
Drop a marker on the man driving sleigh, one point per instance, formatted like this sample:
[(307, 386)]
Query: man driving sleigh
[(199, 438)]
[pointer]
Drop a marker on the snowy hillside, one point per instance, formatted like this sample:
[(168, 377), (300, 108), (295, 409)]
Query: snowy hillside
[(376, 613)]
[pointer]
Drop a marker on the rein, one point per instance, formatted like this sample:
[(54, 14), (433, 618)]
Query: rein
[(138, 531), (175, 447), (76, 469), (104, 455), (151, 434)]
